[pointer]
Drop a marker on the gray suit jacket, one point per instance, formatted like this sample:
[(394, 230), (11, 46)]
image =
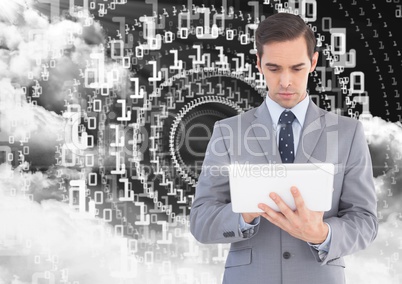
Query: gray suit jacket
[(267, 254)]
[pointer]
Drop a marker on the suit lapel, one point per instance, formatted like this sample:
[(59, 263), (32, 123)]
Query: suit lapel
[(261, 125), (312, 129)]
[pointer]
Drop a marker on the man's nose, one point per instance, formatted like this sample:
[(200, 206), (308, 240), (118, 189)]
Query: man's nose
[(285, 79)]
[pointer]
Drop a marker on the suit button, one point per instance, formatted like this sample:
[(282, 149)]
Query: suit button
[(225, 235), (286, 255)]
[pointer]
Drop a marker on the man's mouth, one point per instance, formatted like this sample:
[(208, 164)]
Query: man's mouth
[(286, 94)]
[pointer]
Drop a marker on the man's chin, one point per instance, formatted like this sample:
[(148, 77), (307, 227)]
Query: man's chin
[(287, 103), (288, 100)]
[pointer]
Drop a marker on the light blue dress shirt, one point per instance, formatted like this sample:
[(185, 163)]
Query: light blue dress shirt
[(299, 111)]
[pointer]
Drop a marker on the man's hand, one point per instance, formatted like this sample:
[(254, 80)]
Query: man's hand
[(249, 217), (302, 223)]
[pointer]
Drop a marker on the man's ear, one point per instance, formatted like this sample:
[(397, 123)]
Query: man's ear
[(259, 64), (314, 61)]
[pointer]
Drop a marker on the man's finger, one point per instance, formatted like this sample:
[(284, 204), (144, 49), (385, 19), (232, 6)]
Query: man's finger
[(299, 201), (283, 207), (274, 216), (274, 222)]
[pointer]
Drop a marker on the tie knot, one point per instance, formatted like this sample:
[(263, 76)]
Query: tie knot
[(286, 117)]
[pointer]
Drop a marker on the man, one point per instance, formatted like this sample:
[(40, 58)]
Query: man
[(298, 246)]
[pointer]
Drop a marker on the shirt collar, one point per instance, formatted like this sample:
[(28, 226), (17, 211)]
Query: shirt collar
[(298, 110)]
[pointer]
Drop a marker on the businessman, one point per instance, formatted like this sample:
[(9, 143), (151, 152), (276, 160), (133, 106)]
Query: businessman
[(289, 247)]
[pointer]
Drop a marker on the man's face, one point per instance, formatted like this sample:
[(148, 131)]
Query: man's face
[(286, 67)]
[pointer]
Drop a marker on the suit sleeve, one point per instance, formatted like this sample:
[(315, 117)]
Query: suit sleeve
[(356, 225), (211, 218)]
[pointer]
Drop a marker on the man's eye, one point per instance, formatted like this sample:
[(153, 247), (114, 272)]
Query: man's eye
[(297, 69), (272, 70)]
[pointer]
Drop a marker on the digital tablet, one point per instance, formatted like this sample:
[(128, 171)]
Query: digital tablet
[(251, 184)]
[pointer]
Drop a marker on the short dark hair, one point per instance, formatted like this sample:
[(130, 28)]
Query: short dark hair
[(283, 27)]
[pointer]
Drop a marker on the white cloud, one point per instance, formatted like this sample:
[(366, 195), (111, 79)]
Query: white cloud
[(11, 10), (51, 236), (380, 262), (20, 119), (386, 150), (391, 133)]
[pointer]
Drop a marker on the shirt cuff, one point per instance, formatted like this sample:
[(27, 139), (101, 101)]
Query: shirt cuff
[(326, 244), (246, 226)]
